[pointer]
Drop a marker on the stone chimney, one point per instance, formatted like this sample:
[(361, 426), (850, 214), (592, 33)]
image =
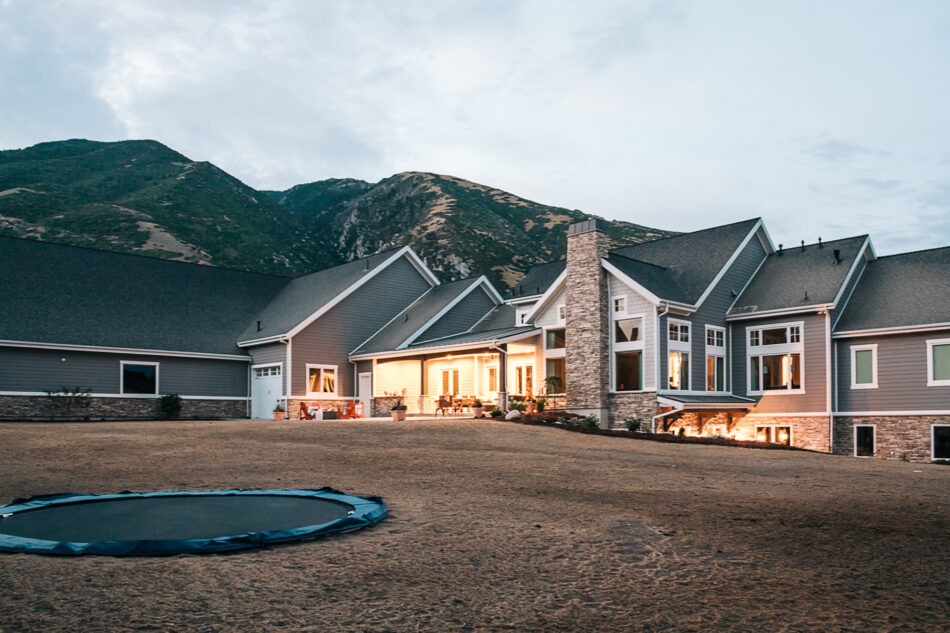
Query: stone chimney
[(587, 362)]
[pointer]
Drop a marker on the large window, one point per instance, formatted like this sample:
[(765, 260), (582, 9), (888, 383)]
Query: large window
[(863, 366), (524, 380), (627, 350), (138, 378), (555, 339), (775, 355), (715, 358), (321, 380), (940, 441), (450, 382), (493, 379), (677, 340), (555, 367), (938, 362), (775, 434)]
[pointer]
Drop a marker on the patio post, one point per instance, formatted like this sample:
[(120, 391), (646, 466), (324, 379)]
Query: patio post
[(503, 377)]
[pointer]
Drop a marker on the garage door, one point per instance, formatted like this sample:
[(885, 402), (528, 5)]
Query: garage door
[(267, 388)]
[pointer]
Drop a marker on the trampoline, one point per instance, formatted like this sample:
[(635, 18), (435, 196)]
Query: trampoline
[(175, 522)]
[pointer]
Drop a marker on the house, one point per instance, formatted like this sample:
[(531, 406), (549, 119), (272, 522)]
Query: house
[(715, 332)]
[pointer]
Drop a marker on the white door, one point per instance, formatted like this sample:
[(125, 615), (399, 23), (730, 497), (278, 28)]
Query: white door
[(366, 393), (267, 388)]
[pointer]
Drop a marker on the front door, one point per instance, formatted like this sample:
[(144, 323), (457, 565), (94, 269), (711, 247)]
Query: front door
[(267, 388), (366, 393)]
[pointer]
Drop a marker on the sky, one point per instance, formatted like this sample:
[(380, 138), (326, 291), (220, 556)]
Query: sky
[(826, 118)]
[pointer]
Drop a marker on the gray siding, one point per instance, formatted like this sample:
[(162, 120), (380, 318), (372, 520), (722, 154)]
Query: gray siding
[(24, 369), (815, 397), (330, 339), (901, 375), (271, 353), (849, 289), (463, 316)]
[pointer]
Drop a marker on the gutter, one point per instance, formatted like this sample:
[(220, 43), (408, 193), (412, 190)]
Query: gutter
[(663, 415)]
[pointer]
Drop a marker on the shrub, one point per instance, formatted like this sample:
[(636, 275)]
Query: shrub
[(279, 407), (633, 424), (554, 384), (170, 403), (541, 402), (68, 400), (589, 422), (478, 404), (398, 407), (496, 413), (516, 406)]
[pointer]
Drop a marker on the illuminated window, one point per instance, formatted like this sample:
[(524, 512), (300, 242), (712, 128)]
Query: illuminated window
[(679, 370), (775, 358), (493, 379), (450, 382), (715, 358), (321, 379), (776, 434)]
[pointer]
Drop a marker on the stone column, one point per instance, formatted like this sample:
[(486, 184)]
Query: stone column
[(587, 362)]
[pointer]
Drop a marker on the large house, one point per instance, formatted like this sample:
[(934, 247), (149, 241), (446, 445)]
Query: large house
[(715, 332)]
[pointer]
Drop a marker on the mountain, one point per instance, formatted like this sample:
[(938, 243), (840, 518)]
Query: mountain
[(143, 197)]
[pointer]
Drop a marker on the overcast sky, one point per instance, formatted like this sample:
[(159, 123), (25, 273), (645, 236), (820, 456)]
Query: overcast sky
[(826, 118)]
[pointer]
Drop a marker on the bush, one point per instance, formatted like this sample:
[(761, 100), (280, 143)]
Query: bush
[(541, 402), (170, 404), (398, 407), (478, 404), (589, 422), (633, 424), (496, 413), (516, 406)]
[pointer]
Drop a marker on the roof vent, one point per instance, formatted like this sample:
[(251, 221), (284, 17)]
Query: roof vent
[(803, 246), (820, 245), (366, 264), (837, 253), (537, 289), (258, 326), (780, 252), (806, 296)]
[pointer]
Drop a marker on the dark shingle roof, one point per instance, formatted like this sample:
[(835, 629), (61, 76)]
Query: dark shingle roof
[(691, 260), (420, 312), (901, 290), (710, 400), (52, 293), (656, 279), (784, 280), (303, 296), (485, 336), (502, 316), (537, 280)]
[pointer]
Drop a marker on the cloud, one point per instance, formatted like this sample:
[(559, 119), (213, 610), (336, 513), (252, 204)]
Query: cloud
[(841, 151)]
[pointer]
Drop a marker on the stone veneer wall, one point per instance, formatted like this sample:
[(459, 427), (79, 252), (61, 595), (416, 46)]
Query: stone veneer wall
[(47, 408), (383, 405), (555, 403), (807, 432), (632, 405), (902, 437), (293, 409), (587, 361)]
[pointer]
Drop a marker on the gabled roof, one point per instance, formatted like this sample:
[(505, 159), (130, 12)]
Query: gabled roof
[(537, 280), (503, 316), (69, 295), (418, 316), (904, 290), (690, 261), (485, 336), (656, 279), (800, 278), (306, 297)]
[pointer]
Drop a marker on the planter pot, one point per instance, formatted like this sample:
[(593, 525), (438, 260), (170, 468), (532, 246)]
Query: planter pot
[(530, 407), (279, 415), (478, 411), (398, 415)]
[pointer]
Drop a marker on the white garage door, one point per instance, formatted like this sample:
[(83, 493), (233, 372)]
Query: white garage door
[(267, 387)]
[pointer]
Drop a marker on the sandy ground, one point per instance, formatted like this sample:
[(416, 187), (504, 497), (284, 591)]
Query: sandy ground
[(495, 527)]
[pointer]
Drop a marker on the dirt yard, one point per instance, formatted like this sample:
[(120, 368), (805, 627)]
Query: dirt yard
[(495, 527)]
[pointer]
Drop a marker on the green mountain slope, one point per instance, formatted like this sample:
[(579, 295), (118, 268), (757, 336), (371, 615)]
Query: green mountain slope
[(142, 197)]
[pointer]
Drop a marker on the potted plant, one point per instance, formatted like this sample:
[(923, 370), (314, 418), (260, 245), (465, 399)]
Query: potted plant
[(279, 412), (478, 408), (398, 412), (530, 406)]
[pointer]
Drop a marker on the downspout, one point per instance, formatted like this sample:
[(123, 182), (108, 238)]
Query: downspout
[(656, 344), (829, 383), (663, 415), (288, 375)]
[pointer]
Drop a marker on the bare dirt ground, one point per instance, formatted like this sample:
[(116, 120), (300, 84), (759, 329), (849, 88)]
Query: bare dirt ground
[(495, 527)]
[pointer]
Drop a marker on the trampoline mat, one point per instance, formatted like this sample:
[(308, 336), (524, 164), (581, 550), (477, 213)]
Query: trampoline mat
[(171, 518)]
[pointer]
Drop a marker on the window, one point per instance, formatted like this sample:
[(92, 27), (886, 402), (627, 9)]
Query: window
[(138, 378), (450, 382), (679, 370), (679, 331), (493, 379), (620, 305), (628, 330), (522, 315), (524, 380), (864, 440), (555, 367), (554, 339), (263, 372), (776, 434), (321, 379), (864, 366), (938, 362), (940, 441), (629, 371), (715, 358), (775, 355), (561, 312)]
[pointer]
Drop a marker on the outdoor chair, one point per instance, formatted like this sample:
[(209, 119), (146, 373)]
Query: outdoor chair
[(305, 413), (445, 403)]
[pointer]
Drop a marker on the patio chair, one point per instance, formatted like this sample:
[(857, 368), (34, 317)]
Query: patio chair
[(305, 413), (445, 403), (359, 410)]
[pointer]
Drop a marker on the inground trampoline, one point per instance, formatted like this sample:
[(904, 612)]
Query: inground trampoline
[(175, 522)]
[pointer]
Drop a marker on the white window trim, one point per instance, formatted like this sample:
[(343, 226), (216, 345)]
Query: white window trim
[(521, 316), (534, 378), (629, 346), (123, 363), (457, 370), (562, 313), (488, 368), (933, 445), (689, 373), (336, 382), (553, 352), (622, 312), (854, 440), (790, 427), (718, 351), (774, 350), (931, 343), (854, 368), (678, 346)]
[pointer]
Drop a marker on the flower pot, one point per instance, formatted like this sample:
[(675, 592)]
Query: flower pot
[(398, 415), (478, 411), (530, 407), (279, 415)]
